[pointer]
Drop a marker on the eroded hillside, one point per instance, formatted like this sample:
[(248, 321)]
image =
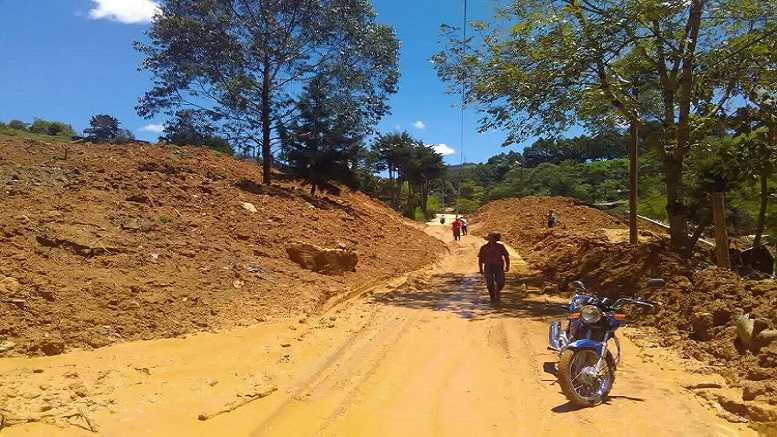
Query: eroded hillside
[(101, 243)]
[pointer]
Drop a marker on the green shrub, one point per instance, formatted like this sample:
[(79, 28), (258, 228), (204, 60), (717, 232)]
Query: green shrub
[(17, 124), (466, 206), (53, 128)]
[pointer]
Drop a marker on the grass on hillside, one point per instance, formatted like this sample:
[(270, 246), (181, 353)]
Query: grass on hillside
[(5, 130)]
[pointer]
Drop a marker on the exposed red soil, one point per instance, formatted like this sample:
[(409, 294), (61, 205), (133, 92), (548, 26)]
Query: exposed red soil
[(523, 221), (130, 242), (700, 304)]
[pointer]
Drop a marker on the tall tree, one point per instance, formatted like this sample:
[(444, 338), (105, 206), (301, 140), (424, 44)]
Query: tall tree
[(324, 143), (392, 151), (554, 60), (242, 62), (408, 161)]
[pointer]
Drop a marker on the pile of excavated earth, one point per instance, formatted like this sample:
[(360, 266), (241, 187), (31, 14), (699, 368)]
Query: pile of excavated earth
[(102, 244), (712, 315)]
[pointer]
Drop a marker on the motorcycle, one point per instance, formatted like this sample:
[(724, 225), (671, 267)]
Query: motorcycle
[(586, 368)]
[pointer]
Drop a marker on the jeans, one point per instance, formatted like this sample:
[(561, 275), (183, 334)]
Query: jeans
[(495, 280)]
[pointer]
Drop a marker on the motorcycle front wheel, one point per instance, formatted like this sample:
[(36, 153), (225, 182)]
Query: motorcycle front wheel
[(578, 383)]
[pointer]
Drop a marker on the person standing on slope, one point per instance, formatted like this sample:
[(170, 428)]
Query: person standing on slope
[(552, 219), (464, 226), (494, 262), (456, 226)]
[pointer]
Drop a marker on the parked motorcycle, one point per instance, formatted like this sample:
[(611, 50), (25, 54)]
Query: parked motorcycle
[(586, 369)]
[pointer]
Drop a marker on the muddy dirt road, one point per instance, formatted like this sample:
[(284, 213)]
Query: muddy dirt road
[(422, 356)]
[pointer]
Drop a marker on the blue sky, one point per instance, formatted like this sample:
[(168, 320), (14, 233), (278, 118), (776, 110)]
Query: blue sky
[(69, 59)]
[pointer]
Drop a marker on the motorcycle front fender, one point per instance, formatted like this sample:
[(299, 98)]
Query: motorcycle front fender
[(586, 344)]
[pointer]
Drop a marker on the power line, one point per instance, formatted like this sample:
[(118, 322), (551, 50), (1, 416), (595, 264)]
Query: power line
[(463, 85)]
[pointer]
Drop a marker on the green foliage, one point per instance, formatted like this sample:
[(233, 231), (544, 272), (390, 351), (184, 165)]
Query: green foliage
[(543, 66), (466, 206), (323, 145), (104, 128), (609, 145), (52, 128), (433, 206), (411, 165), (17, 125), (187, 129), (653, 205), (64, 135), (245, 62)]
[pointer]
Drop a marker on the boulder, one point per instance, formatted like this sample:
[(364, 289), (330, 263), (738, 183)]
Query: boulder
[(745, 326), (52, 346), (8, 285), (322, 260), (6, 346), (249, 207)]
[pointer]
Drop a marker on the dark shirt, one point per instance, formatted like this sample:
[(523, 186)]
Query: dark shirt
[(493, 253)]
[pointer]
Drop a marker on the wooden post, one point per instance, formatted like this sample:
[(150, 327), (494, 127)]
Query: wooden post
[(721, 233), (633, 183)]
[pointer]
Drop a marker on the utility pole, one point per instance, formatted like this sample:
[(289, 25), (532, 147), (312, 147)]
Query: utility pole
[(634, 167), (633, 182), (721, 233)]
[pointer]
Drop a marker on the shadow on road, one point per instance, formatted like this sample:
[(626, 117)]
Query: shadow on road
[(568, 407), (467, 297), (550, 368)]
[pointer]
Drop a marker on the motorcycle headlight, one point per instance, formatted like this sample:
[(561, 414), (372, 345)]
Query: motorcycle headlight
[(590, 314)]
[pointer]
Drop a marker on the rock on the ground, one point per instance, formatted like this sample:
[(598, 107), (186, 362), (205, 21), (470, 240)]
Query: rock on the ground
[(322, 260), (249, 207), (51, 346), (8, 285), (7, 345)]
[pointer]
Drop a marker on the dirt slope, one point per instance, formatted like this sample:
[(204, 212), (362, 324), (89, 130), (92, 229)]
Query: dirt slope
[(117, 243), (701, 304), (523, 221)]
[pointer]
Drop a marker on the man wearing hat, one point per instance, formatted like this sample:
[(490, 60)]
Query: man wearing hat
[(494, 261)]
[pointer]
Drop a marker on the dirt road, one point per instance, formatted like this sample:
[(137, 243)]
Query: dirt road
[(423, 356)]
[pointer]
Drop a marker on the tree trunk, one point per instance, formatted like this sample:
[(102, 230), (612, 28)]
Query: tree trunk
[(721, 233), (266, 127), (673, 162), (675, 207), (424, 197), (633, 182), (764, 176)]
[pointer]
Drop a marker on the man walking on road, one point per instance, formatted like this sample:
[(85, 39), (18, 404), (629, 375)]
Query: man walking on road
[(494, 262)]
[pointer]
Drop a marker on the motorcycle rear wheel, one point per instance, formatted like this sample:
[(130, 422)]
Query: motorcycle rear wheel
[(568, 371)]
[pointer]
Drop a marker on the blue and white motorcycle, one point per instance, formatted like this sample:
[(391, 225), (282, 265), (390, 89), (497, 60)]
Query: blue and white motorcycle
[(586, 369)]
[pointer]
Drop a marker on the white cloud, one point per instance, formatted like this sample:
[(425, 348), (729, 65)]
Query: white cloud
[(124, 11), (420, 125), (153, 127), (442, 149)]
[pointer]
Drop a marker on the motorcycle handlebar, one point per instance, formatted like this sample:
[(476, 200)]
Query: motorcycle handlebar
[(623, 301)]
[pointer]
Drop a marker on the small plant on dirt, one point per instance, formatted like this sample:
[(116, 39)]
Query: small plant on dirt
[(165, 219)]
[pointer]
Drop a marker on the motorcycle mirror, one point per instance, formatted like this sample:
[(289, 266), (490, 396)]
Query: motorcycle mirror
[(578, 285), (656, 283)]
